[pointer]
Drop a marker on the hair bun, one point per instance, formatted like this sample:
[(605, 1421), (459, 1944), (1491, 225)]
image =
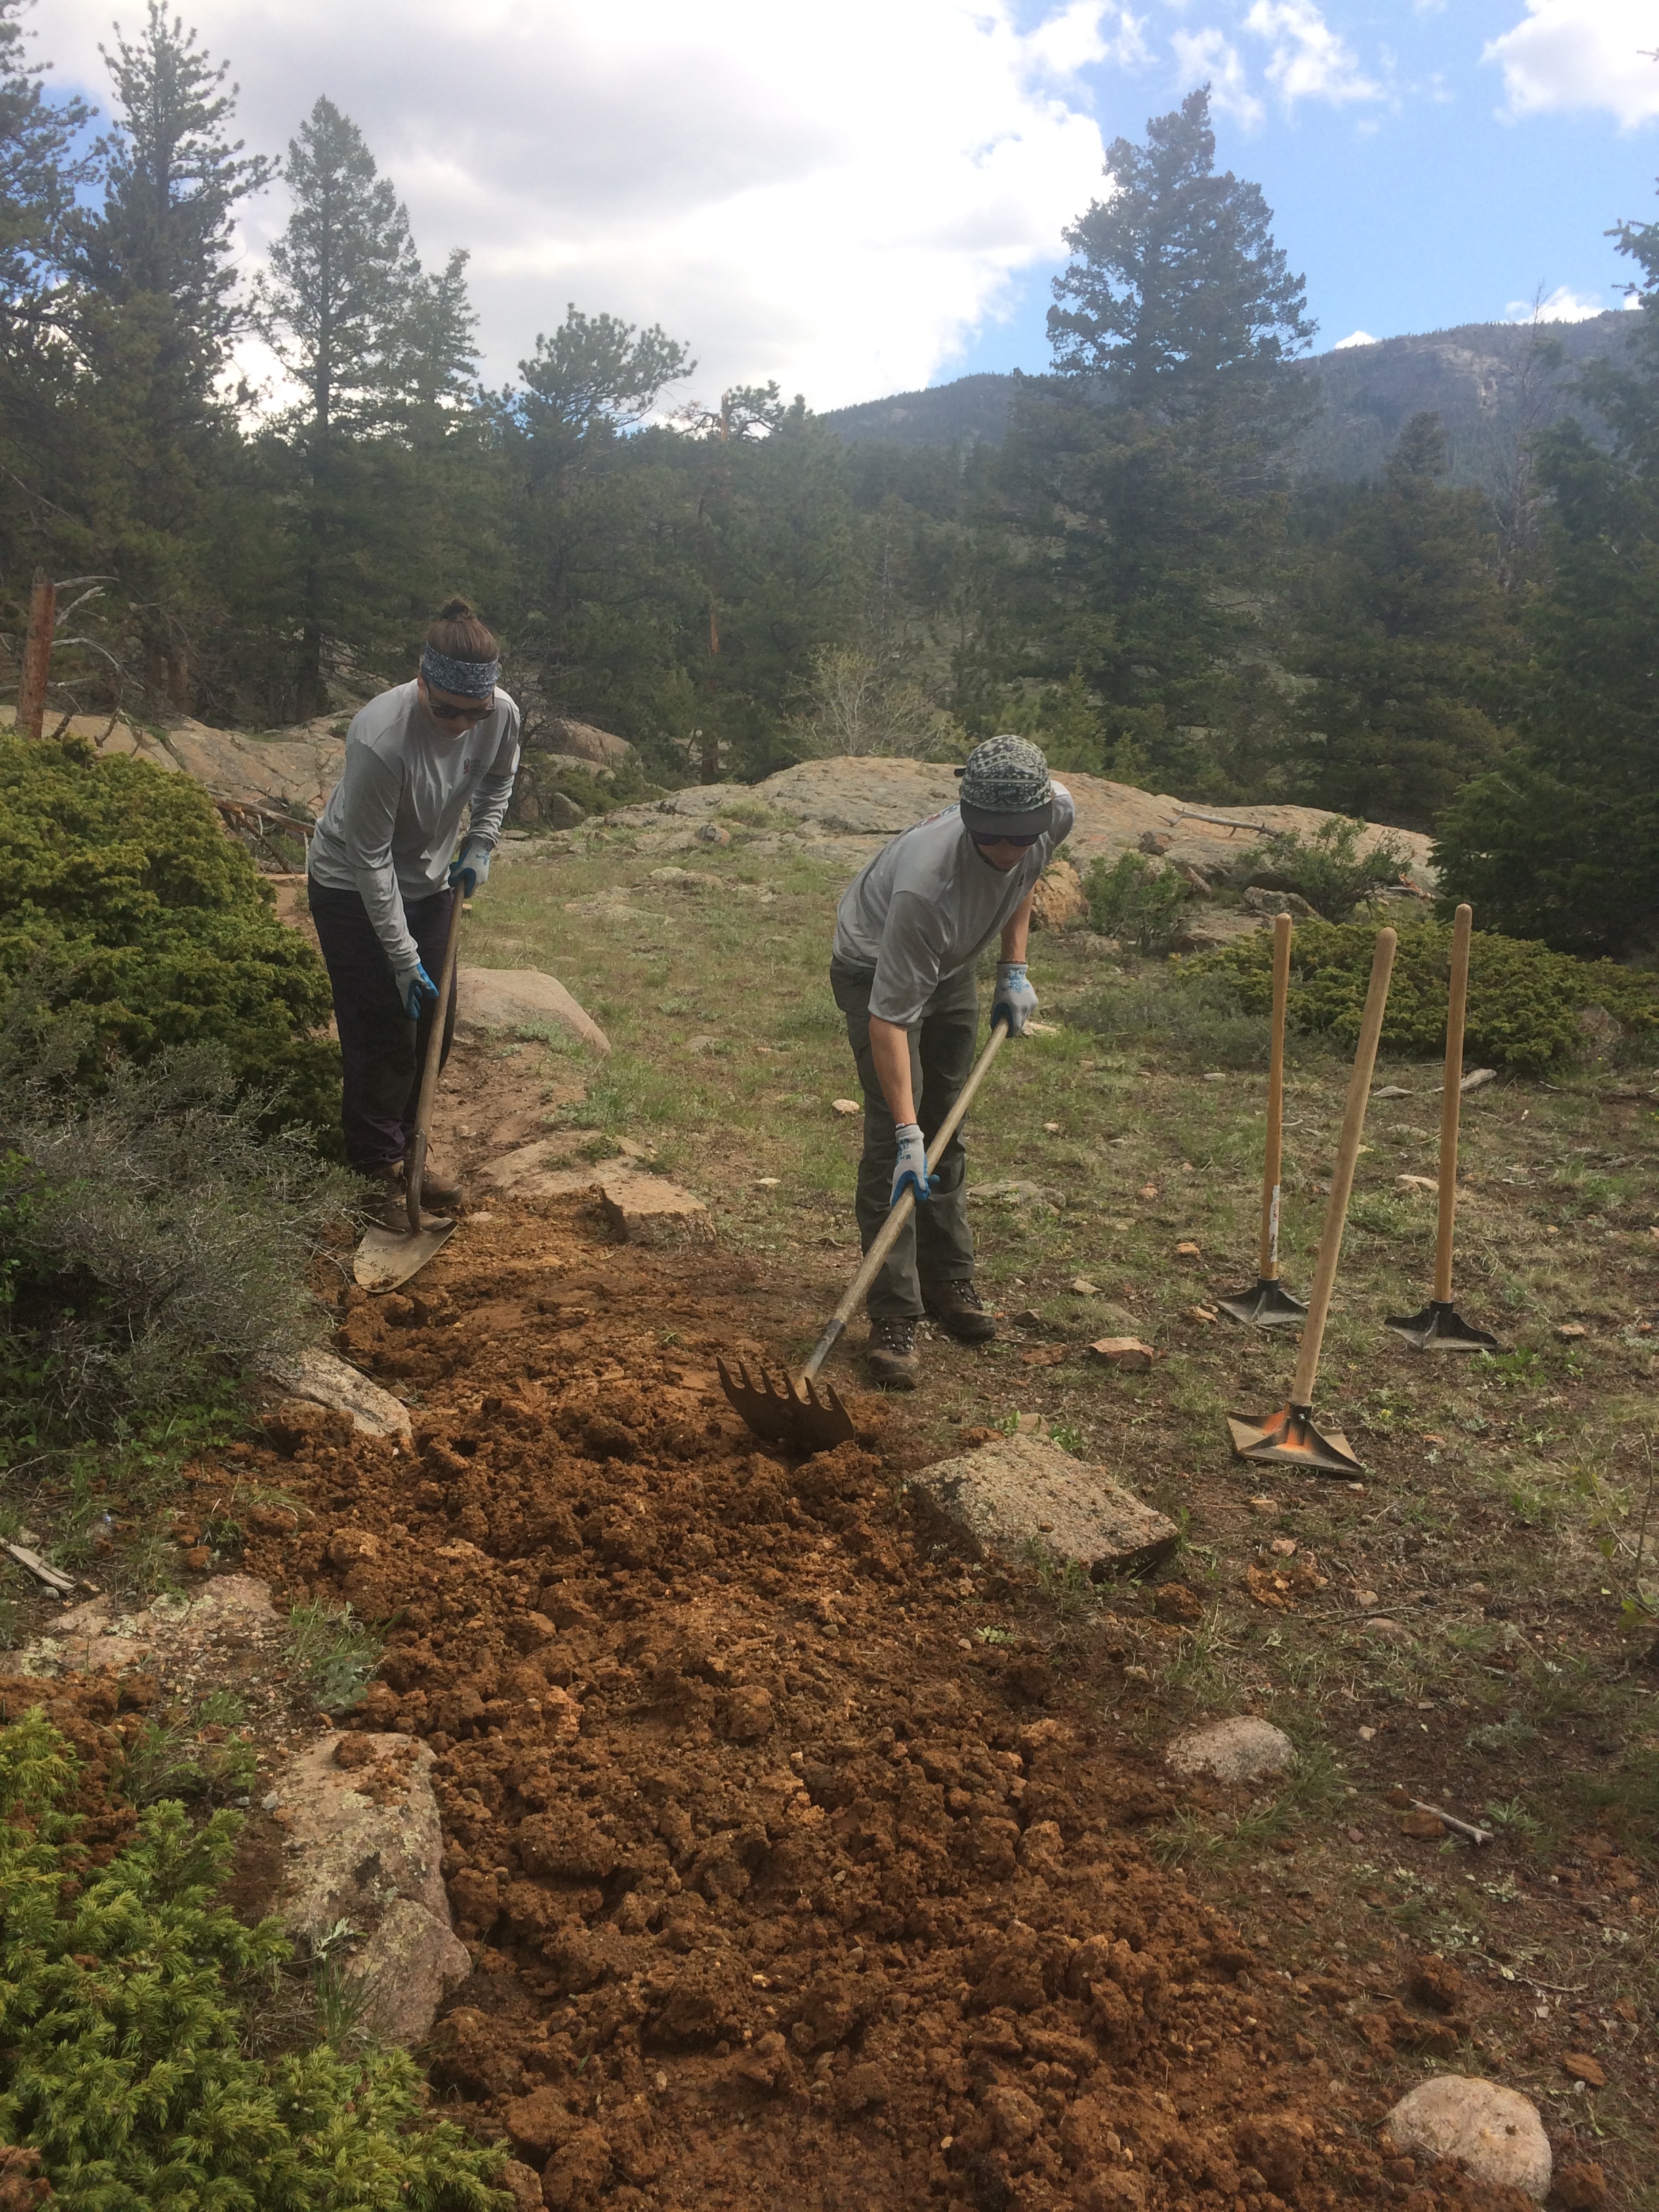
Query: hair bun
[(455, 610)]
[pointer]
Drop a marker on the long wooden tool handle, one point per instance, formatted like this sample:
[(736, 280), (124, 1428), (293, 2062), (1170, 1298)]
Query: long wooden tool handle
[(903, 1208), (1451, 1101), (435, 1053), (1268, 1268), (1347, 1157)]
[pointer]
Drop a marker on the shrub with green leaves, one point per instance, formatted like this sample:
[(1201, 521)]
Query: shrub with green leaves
[(141, 923), (1137, 901), (123, 2061), (1327, 869), (1524, 1001)]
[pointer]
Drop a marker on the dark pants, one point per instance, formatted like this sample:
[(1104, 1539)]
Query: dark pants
[(382, 1051), (937, 1246)]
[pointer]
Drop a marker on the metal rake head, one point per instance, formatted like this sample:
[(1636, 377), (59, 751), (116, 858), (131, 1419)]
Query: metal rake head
[(801, 1417)]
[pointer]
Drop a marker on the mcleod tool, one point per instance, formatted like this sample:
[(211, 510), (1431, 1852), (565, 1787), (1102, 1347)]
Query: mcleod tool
[(387, 1257), (1267, 1303), (802, 1415), (1289, 1438), (1438, 1327)]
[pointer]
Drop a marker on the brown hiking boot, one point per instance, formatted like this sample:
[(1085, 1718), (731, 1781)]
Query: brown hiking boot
[(891, 1355), (385, 1197), (960, 1312), (439, 1193)]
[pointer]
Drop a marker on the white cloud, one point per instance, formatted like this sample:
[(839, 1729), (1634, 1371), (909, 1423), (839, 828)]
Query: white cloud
[(835, 199), (1208, 55), (1307, 60), (1353, 338), (1579, 54), (1562, 305)]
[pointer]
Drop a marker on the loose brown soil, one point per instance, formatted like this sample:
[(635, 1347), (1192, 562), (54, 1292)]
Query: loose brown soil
[(782, 1888)]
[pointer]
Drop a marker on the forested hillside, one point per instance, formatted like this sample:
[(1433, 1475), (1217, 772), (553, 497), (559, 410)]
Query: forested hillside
[(1145, 573)]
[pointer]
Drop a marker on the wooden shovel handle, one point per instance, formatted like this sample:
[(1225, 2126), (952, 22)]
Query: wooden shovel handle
[(903, 1208), (1451, 1100), (1347, 1157), (435, 1053), (1268, 1268)]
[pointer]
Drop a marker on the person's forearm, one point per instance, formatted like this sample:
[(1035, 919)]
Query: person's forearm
[(889, 1047), (1017, 929)]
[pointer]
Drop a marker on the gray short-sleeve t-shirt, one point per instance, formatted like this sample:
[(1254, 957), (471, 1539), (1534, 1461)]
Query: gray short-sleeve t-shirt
[(929, 904)]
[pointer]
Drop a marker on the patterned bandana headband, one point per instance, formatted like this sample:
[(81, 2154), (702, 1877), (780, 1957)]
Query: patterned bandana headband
[(466, 679)]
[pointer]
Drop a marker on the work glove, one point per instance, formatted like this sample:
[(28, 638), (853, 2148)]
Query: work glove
[(470, 866), (417, 991), (910, 1167), (1013, 1000)]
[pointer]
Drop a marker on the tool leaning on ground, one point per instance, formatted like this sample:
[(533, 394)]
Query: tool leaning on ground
[(1269, 1304), (800, 1415), (1289, 1438), (1440, 1326), (387, 1257)]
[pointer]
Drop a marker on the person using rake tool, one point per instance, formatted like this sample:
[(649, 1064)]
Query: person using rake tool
[(907, 934), (384, 876)]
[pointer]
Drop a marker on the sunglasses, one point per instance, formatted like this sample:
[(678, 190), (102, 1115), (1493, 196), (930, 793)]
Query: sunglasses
[(1019, 843), (440, 711)]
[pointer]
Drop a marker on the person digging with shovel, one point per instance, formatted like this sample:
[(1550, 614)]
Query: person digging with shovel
[(382, 885), (909, 931)]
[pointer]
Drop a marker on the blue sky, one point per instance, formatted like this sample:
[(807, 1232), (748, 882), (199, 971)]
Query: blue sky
[(1428, 204), (857, 196)]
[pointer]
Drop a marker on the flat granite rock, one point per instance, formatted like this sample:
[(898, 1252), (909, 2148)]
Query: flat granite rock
[(550, 1167), (649, 1210), (1022, 1490), (1496, 2131), (327, 1380), (494, 999)]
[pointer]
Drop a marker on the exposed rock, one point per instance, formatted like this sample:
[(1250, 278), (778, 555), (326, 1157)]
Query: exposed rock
[(649, 1210), (367, 1848), (845, 1107), (713, 833), (1241, 1750), (551, 1166), (1478, 1078), (1023, 1489), (686, 879), (495, 999), (1174, 1601), (1496, 2131), (1581, 2187), (582, 741), (1580, 2066), (328, 1381), (1059, 901), (1126, 1351), (163, 1636), (1258, 900)]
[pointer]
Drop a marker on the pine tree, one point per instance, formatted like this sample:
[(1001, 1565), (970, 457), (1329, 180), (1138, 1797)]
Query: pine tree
[(1409, 640), (40, 173)]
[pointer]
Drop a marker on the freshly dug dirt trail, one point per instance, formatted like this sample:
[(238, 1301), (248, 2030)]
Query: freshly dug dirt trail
[(782, 1889)]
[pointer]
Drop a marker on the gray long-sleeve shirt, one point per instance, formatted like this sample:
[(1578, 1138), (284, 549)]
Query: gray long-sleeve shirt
[(389, 829), (929, 904)]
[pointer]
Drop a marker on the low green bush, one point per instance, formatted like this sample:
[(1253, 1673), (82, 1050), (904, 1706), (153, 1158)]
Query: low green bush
[(155, 1240), (1327, 869), (1137, 901), (1524, 1001), (123, 2063), (139, 921)]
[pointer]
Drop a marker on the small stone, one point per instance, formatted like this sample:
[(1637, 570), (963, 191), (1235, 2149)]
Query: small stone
[(650, 1211), (1149, 1190), (768, 1182), (1126, 1351), (1380, 1627), (1390, 1090), (1204, 1315), (1570, 1331), (710, 833), (1215, 1075), (1496, 2131), (1187, 1250), (1264, 1505), (1582, 2187), (845, 1106), (1365, 1598), (1084, 1288), (1422, 1826), (1174, 1601), (1582, 2068), (1284, 1545), (1051, 1128), (1368, 1736), (1242, 1750), (695, 1047), (1478, 1078)]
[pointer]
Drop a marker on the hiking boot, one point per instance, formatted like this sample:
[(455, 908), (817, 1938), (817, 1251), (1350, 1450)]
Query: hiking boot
[(439, 1193), (890, 1354), (385, 1196), (960, 1312)]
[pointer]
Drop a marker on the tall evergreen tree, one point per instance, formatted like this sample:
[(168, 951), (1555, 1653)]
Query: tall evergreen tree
[(1409, 639), (40, 170)]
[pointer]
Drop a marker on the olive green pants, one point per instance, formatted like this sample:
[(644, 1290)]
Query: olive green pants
[(936, 1246)]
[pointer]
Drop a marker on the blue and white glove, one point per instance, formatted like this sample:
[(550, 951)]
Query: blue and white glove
[(470, 866), (1013, 1000), (417, 991), (910, 1167)]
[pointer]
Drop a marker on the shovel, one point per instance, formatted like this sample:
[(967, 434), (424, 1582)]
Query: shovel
[(1289, 1438), (387, 1257), (1440, 1326), (1269, 1304), (801, 1415)]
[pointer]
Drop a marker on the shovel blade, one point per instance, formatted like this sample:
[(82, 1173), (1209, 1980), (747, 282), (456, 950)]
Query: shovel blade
[(1267, 1305), (387, 1257), (1289, 1438), (1441, 1328), (807, 1420)]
